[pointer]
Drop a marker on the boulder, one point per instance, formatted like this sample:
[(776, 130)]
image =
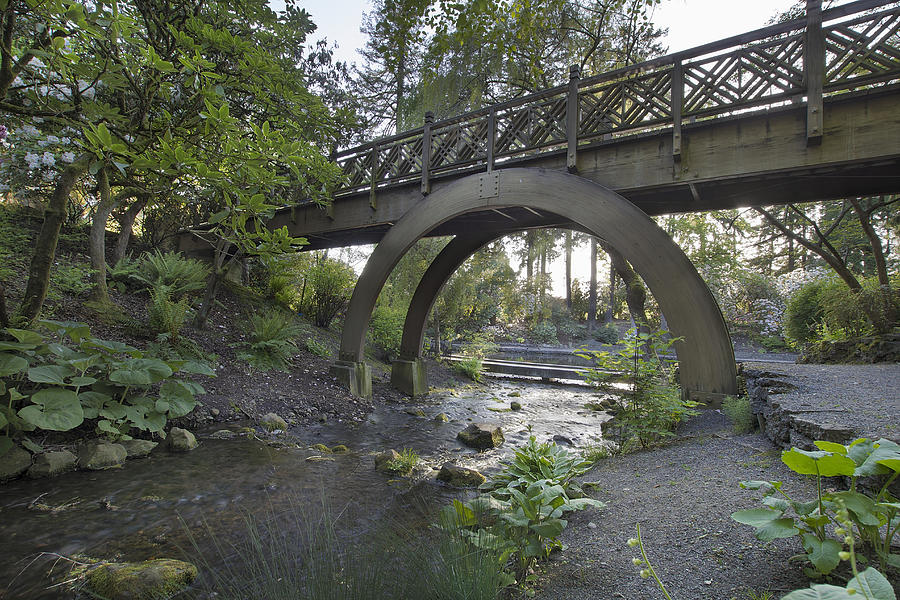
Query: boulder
[(384, 459), (181, 440), (460, 476), (139, 448), (441, 418), (223, 434), (100, 455), (158, 578), (481, 436), (14, 462), (272, 422), (51, 464), (515, 405), (340, 449)]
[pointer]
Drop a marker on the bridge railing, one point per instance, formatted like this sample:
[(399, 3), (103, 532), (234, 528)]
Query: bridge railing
[(802, 61)]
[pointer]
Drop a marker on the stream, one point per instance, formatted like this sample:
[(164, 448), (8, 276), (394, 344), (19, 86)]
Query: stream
[(145, 509)]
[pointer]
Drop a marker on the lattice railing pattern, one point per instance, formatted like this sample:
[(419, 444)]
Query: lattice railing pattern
[(863, 51), (762, 69), (627, 104), (745, 77)]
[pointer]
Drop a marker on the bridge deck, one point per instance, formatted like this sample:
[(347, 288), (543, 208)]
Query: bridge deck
[(801, 111)]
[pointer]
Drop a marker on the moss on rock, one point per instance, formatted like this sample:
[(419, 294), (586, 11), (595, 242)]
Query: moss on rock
[(149, 580)]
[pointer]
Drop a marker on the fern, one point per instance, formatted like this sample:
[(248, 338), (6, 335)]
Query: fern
[(180, 275), (271, 342), (166, 316)]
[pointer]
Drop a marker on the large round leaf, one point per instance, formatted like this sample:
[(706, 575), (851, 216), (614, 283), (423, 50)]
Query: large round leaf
[(54, 409), (819, 462), (10, 364), (54, 374), (178, 400), (141, 371)]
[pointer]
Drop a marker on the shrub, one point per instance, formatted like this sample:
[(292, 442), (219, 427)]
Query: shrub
[(544, 332), (124, 274), (332, 284), (472, 367), (57, 381), (804, 313), (271, 342), (608, 334), (655, 405), (737, 409), (405, 463), (386, 329)]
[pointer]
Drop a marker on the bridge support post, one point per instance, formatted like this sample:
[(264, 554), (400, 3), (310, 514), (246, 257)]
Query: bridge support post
[(408, 376), (355, 376)]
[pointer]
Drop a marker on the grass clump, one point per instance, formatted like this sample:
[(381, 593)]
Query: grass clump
[(405, 463), (472, 367), (737, 409)]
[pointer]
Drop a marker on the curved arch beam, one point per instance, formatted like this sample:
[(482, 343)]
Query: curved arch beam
[(448, 260), (706, 356)]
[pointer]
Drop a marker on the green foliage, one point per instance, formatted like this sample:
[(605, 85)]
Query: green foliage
[(544, 332), (167, 317), (314, 346), (608, 334), (331, 283), (386, 328), (179, 275), (57, 381), (870, 584), (405, 463), (470, 366), (302, 554), (73, 279), (655, 405), (737, 409), (876, 518), (533, 462), (271, 341), (523, 518), (124, 274)]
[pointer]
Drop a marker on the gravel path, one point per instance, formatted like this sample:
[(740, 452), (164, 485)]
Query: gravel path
[(683, 496)]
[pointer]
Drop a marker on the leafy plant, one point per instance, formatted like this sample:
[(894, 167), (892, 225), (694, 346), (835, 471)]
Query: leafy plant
[(655, 405), (608, 334), (167, 317), (523, 517), (271, 342), (737, 409), (314, 346), (405, 463), (71, 279), (876, 518), (178, 274), (56, 382), (471, 366), (332, 284), (386, 328)]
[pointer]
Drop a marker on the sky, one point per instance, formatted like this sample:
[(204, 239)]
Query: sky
[(690, 23)]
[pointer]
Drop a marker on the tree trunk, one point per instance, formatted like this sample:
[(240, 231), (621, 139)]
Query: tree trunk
[(635, 292), (610, 310), (45, 245), (592, 290), (569, 271), (437, 331), (886, 312), (221, 264), (126, 226), (105, 206)]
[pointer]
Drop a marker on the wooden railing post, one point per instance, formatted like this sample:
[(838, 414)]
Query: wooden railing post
[(426, 152), (373, 162), (677, 101), (572, 119), (491, 140), (814, 71)]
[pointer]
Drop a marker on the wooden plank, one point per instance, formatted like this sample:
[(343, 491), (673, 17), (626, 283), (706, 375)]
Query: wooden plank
[(677, 100), (426, 152), (572, 120), (814, 67)]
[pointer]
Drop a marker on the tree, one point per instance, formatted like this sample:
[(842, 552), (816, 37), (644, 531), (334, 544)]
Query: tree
[(844, 234)]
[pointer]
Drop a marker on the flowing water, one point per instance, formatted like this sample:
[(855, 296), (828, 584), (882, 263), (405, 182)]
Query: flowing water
[(145, 509)]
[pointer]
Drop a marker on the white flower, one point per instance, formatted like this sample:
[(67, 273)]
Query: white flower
[(49, 175), (68, 157), (37, 63), (66, 141), (17, 82), (52, 139), (30, 131), (37, 120), (48, 159), (32, 159), (42, 143)]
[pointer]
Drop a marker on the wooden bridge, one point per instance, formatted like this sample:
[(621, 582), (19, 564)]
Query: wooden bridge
[(802, 111)]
